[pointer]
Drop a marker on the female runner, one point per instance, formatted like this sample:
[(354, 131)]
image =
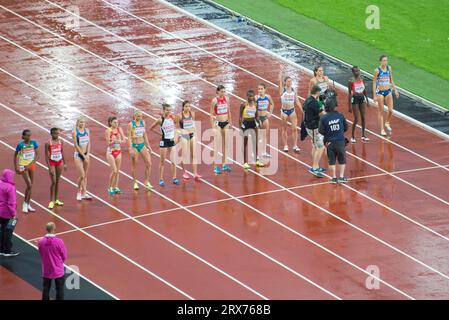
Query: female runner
[(81, 141), (321, 81), (382, 87), (358, 101), (220, 116), (247, 121), (168, 131), (289, 99), (265, 107), (138, 144), (54, 156), (25, 158), (114, 138), (185, 121)]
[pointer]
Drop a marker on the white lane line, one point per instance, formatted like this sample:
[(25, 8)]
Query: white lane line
[(229, 199), (93, 237), (237, 97)]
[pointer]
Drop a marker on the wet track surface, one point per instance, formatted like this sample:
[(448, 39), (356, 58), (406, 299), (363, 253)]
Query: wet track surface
[(242, 235), (413, 107)]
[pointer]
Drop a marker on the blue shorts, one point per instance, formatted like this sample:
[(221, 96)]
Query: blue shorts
[(384, 92), (288, 112)]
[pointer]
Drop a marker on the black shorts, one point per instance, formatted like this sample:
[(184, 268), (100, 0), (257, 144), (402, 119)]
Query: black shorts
[(336, 151), (357, 99), (223, 124), (249, 124), (166, 143), (188, 136)]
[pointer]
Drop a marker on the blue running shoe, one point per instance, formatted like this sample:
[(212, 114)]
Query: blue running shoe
[(217, 170), (162, 183), (316, 173), (176, 181), (226, 168), (322, 170)]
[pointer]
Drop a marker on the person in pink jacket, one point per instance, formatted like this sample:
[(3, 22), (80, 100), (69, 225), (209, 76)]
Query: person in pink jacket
[(8, 207), (53, 254)]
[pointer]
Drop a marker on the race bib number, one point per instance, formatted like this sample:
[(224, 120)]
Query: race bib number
[(222, 109), (359, 88), (251, 112), (139, 132), (56, 156), (28, 154), (84, 140), (188, 124)]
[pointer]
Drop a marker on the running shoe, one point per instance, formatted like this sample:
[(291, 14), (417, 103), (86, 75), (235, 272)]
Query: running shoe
[(25, 208), (387, 126), (285, 148), (322, 170), (266, 155), (148, 185), (246, 166), (176, 181), (353, 140), (217, 170), (383, 133), (226, 168), (259, 164), (162, 183), (296, 149), (86, 197), (342, 180), (30, 209), (316, 173), (59, 203), (111, 191), (334, 180), (136, 186), (51, 205), (197, 177), (186, 176), (118, 190), (79, 197), (366, 139)]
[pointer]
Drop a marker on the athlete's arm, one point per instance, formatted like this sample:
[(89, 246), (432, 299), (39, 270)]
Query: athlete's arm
[(193, 118), (16, 161), (271, 104), (64, 165), (392, 84), (281, 84), (212, 112), (75, 143), (145, 136), (107, 137), (47, 154), (298, 104), (311, 83), (349, 95), (376, 73), (88, 145), (154, 124)]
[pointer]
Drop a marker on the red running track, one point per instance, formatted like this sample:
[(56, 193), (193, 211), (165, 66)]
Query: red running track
[(235, 236)]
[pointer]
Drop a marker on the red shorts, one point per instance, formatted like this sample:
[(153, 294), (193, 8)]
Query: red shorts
[(55, 163), (30, 168), (115, 153)]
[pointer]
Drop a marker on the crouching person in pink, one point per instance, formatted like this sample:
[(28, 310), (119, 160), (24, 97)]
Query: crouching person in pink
[(7, 212), (53, 254)]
